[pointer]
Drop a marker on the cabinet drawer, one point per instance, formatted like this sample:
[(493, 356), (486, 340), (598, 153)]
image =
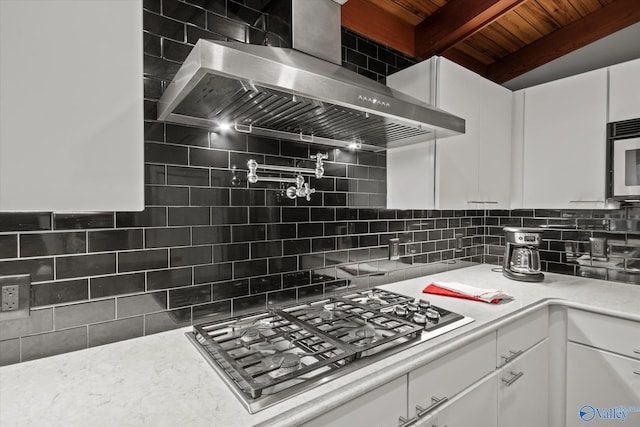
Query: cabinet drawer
[(380, 407), (452, 373), (515, 338), (597, 330)]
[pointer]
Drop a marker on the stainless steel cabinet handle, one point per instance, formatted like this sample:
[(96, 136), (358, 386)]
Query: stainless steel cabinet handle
[(586, 201), (489, 202), (513, 379), (437, 402), (514, 354), (404, 422)]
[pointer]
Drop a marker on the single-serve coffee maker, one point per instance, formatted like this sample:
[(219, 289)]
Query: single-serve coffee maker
[(521, 257)]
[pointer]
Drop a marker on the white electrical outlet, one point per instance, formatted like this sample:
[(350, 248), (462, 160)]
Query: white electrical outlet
[(598, 247), (15, 296), (10, 297)]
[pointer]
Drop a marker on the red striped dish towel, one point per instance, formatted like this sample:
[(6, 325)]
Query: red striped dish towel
[(458, 290)]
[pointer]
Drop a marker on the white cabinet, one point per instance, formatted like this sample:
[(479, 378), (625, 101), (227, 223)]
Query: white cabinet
[(71, 108), (624, 91), (450, 375), (470, 170), (520, 335), (380, 407), (603, 369), (595, 330), (563, 136), (599, 384), (523, 389), (476, 406)]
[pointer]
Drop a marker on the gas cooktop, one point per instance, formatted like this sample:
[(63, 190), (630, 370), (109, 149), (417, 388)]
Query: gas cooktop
[(266, 357)]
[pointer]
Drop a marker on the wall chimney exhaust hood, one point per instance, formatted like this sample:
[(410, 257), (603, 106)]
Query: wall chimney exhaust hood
[(284, 93)]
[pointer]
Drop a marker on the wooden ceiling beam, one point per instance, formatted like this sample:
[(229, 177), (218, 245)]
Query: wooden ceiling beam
[(455, 21), (607, 20), (372, 21)]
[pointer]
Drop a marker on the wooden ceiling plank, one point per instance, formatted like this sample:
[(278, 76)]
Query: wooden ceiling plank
[(585, 7), (398, 10), (605, 21), (519, 27), (538, 17), (377, 24), (455, 21), (561, 10), (503, 37), (486, 46), (471, 51)]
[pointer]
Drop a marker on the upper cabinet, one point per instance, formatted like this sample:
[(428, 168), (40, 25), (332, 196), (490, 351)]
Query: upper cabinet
[(624, 91), (71, 108), (469, 171), (559, 143)]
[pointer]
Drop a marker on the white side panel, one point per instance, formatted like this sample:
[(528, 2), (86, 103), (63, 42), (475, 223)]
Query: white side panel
[(410, 176), (624, 91), (411, 170), (72, 105), (417, 81)]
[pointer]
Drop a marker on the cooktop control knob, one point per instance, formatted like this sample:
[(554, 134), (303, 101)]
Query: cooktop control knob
[(424, 304)]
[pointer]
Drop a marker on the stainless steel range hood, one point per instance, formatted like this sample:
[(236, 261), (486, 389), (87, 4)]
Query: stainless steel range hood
[(285, 93)]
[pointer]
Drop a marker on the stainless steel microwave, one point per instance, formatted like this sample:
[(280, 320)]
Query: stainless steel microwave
[(623, 160)]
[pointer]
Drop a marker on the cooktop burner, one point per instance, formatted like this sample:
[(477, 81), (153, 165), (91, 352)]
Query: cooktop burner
[(269, 356)]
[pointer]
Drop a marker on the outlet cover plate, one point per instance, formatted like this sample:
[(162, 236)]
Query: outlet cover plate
[(598, 247), (15, 296)]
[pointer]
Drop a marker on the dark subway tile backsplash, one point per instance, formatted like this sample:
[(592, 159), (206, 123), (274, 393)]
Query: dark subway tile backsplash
[(209, 245)]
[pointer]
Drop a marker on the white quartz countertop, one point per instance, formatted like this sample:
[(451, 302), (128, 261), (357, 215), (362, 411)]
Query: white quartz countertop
[(162, 380)]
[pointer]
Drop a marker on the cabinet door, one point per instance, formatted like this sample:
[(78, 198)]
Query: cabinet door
[(523, 389), (451, 374), (494, 150), (71, 108), (459, 92), (476, 406), (564, 142), (624, 91), (599, 384), (381, 407)]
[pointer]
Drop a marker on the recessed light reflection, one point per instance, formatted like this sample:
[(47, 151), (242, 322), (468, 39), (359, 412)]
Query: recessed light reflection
[(355, 146), (224, 126)]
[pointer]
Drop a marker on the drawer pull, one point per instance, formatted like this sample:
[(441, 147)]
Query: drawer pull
[(437, 402), (514, 354), (513, 379), (404, 422), (636, 372)]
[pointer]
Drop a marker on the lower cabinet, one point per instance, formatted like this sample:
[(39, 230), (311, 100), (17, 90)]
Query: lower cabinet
[(476, 406), (380, 407), (603, 388), (522, 389)]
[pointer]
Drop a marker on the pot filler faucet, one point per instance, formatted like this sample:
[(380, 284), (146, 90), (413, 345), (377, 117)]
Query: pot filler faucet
[(301, 188)]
